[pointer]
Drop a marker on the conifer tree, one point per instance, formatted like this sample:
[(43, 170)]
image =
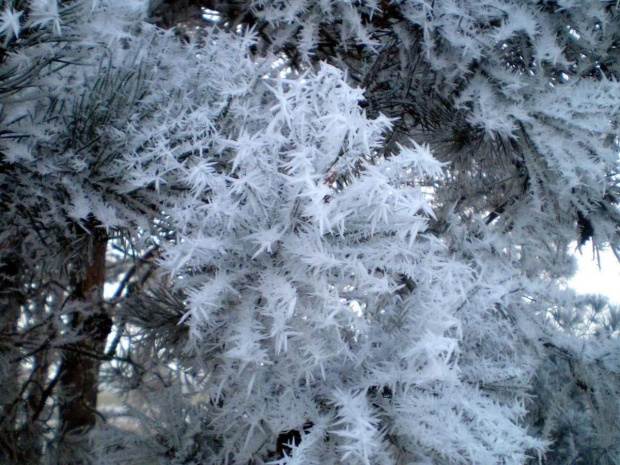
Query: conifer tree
[(330, 232)]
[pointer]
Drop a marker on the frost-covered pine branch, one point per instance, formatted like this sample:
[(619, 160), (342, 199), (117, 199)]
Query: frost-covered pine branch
[(355, 259)]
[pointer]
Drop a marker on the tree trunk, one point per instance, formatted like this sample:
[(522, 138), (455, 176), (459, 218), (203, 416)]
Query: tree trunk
[(80, 367)]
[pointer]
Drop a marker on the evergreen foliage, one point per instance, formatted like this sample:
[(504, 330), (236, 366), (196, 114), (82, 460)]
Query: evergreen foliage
[(327, 231)]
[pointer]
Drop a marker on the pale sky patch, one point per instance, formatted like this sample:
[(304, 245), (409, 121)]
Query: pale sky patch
[(590, 279)]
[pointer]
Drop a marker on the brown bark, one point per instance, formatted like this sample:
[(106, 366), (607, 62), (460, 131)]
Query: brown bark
[(80, 368)]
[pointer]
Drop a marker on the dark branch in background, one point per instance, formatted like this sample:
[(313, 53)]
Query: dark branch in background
[(145, 260)]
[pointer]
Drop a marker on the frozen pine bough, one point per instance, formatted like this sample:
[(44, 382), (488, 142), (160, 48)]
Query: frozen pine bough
[(324, 323), (297, 278)]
